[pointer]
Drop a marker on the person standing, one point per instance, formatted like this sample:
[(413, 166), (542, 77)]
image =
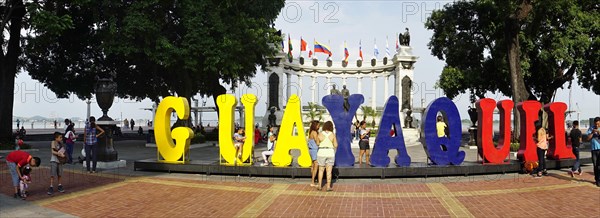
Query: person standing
[(90, 141), (541, 140), (593, 135), (313, 148), (257, 134), (22, 132), (441, 127), (126, 123), (16, 161), (363, 144), (56, 166), (576, 139), (326, 154), (132, 123), (70, 142), (18, 123)]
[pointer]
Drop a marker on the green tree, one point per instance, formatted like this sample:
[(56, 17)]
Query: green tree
[(369, 112), (314, 111), (15, 17), (522, 48), (151, 48)]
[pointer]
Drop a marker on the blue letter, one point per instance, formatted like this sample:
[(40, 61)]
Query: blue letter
[(433, 143), (384, 142), (342, 121)]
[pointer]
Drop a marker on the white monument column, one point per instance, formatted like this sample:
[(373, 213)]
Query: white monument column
[(359, 85), (373, 91), (385, 88), (299, 85), (313, 88), (344, 82), (404, 62), (288, 85), (328, 85)]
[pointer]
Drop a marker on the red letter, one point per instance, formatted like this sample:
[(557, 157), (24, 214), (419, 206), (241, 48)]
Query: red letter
[(486, 148), (529, 114), (556, 123)]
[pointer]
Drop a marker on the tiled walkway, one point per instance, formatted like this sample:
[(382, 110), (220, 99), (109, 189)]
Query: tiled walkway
[(185, 195)]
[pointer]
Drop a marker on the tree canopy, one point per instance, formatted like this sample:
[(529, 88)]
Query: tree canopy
[(558, 42), (151, 48), (154, 48)]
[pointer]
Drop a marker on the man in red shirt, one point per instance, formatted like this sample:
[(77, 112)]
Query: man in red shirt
[(17, 160)]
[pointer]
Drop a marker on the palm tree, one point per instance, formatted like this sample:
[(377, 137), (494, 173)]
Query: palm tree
[(370, 112), (315, 111)]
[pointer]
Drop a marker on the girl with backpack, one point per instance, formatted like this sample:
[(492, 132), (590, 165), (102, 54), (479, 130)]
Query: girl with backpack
[(70, 138)]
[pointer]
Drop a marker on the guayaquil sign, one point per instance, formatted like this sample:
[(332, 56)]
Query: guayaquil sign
[(173, 145)]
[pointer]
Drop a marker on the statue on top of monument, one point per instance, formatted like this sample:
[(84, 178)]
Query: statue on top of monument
[(334, 91), (404, 39), (346, 94)]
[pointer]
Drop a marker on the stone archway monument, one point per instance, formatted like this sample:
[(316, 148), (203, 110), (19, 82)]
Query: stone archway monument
[(400, 68)]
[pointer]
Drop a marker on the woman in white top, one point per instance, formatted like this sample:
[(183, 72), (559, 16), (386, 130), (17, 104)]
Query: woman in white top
[(270, 145), (326, 153)]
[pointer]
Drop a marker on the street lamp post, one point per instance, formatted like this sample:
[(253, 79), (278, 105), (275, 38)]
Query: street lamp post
[(204, 98), (88, 102)]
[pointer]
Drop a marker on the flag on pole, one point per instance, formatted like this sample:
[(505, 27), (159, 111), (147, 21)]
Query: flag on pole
[(375, 50), (290, 47), (360, 50), (322, 48), (302, 44), (387, 47), (346, 54), (309, 53)]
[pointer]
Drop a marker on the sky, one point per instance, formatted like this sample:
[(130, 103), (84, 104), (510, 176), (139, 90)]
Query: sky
[(331, 23)]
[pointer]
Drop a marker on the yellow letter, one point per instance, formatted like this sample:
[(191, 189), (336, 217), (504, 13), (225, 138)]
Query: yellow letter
[(287, 141), (172, 153), (227, 103)]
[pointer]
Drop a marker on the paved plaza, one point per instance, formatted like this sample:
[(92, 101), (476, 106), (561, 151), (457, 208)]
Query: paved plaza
[(127, 193)]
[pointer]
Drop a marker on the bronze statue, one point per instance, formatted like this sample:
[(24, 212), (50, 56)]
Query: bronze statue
[(346, 94), (334, 91), (408, 119), (272, 117), (404, 39), (406, 89)]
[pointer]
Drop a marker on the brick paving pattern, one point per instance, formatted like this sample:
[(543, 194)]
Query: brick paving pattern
[(128, 193), (105, 196)]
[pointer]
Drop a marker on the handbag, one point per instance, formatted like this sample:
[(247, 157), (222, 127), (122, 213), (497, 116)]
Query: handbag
[(63, 159)]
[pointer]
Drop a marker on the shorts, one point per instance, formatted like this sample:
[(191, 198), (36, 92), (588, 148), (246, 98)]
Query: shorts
[(56, 169), (313, 154), (237, 145), (363, 145), (326, 160), (12, 167)]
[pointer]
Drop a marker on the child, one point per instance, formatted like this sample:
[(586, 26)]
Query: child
[(24, 183), (238, 142), (57, 160)]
